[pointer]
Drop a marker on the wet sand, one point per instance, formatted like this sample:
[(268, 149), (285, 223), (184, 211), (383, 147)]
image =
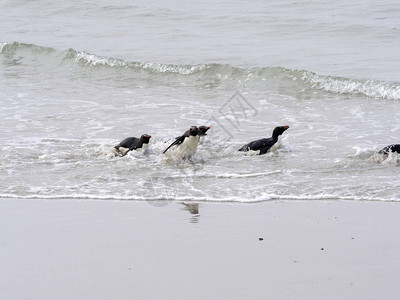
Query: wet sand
[(68, 249)]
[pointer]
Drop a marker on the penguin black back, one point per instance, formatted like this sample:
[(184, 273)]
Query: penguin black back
[(263, 145), (132, 143), (391, 148)]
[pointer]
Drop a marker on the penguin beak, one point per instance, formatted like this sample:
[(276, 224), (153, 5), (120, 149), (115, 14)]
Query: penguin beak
[(286, 127)]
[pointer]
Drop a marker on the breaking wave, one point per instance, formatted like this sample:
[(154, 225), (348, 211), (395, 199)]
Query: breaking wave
[(305, 78), (163, 200), (370, 88)]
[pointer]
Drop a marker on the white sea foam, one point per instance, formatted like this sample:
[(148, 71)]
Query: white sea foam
[(370, 88), (2, 44), (165, 198), (250, 175), (95, 60)]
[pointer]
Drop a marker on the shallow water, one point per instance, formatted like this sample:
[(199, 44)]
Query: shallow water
[(77, 79)]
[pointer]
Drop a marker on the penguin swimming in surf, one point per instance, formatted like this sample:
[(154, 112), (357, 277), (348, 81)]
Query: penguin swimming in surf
[(202, 132), (263, 145), (132, 143), (187, 143), (395, 148)]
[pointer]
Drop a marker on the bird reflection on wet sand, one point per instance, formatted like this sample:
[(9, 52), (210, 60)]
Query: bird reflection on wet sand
[(193, 208)]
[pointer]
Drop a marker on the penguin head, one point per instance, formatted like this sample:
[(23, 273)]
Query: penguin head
[(279, 130), (193, 131), (203, 130), (145, 138)]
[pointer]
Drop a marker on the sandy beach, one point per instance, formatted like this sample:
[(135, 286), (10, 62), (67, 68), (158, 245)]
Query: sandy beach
[(316, 217), (68, 249)]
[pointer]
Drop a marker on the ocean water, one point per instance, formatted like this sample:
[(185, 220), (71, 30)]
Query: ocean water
[(77, 77)]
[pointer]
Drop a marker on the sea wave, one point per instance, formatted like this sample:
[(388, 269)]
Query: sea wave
[(306, 79), (338, 85), (92, 60), (163, 200)]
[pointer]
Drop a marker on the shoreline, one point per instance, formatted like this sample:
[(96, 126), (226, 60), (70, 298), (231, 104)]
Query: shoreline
[(280, 249)]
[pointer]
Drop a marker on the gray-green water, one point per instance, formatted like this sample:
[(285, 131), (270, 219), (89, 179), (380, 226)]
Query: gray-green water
[(78, 78)]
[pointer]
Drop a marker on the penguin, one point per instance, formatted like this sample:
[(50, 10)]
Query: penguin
[(202, 132), (132, 143), (395, 148), (187, 143), (263, 145)]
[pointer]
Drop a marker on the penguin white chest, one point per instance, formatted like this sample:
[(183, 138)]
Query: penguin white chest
[(277, 145), (254, 152), (145, 147), (188, 147)]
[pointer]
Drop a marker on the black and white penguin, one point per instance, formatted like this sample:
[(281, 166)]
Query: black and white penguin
[(395, 148), (132, 143), (202, 132), (203, 129), (187, 143), (263, 145)]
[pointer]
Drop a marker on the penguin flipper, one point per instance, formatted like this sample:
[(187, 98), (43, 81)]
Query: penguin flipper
[(178, 141), (122, 155)]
